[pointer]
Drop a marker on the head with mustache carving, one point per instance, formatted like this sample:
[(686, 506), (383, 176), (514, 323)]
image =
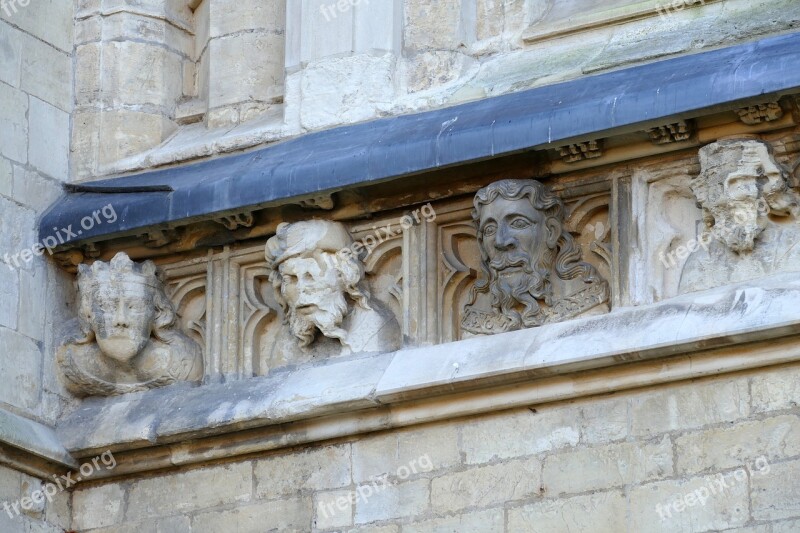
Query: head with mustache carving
[(523, 243)]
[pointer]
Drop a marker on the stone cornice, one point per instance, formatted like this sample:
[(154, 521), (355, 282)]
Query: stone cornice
[(700, 334), (31, 447)]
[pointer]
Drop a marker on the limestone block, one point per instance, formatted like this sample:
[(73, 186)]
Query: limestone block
[(394, 501), (607, 466), (11, 58), (13, 124), (775, 390), (514, 480), (603, 512), (88, 30), (777, 496), (231, 16), (102, 506), (346, 90), (689, 406), (491, 521), (6, 177), (176, 12), (325, 31), (21, 367), (770, 440), (790, 526), (48, 20), (709, 503), (17, 232), (496, 17), (334, 509), (246, 67), (124, 133), (31, 188), (434, 25), (377, 26), (432, 69), (46, 73), (428, 449), (291, 516), (498, 436), (604, 420), (9, 297), (137, 73), (33, 308), (49, 133), (171, 524), (210, 487), (315, 469), (88, 76)]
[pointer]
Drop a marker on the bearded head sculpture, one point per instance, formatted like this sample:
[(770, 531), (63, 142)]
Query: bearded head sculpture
[(314, 276), (739, 185), (525, 251)]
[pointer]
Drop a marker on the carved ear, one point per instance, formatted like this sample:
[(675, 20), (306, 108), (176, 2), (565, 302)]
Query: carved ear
[(553, 231)]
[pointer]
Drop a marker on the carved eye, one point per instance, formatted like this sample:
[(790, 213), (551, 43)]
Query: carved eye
[(489, 230), (521, 223)]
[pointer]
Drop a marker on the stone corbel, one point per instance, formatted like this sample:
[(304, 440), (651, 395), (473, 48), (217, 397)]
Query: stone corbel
[(323, 201), (671, 133), (760, 113), (239, 220), (573, 153)]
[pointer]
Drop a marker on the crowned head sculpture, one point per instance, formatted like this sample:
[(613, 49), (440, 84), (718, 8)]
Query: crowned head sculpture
[(126, 337)]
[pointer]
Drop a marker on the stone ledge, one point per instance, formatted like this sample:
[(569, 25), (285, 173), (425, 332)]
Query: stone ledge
[(31, 447), (372, 392)]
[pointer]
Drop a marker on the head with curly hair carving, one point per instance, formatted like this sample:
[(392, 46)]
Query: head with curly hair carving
[(121, 305), (313, 273), (523, 244)]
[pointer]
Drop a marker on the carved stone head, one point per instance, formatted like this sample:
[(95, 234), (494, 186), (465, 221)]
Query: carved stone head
[(122, 304), (739, 185), (313, 274), (524, 246)]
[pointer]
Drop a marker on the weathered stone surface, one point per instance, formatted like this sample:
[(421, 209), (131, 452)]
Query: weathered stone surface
[(491, 521), (490, 438), (34, 437), (434, 25), (603, 512), (395, 501), (11, 58), (293, 515), (316, 469), (689, 406), (777, 496), (46, 73), (767, 441), (690, 505), (511, 481), (21, 367), (335, 509), (210, 487), (99, 507), (13, 124), (50, 127), (428, 449), (775, 390), (605, 467), (126, 337)]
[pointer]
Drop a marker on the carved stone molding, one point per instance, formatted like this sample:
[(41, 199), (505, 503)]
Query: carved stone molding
[(760, 113), (239, 220), (670, 133), (324, 202), (578, 152)]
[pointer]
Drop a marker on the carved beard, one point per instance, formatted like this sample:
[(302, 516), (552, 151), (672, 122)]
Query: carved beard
[(326, 318), (524, 288)]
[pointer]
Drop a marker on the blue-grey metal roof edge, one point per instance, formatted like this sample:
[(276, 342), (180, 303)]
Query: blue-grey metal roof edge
[(394, 147)]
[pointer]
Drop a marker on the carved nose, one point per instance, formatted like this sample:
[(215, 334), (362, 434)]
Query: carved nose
[(504, 240), (120, 319)]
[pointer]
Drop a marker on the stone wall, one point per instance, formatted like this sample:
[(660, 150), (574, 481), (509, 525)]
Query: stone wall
[(35, 116), (717, 454)]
